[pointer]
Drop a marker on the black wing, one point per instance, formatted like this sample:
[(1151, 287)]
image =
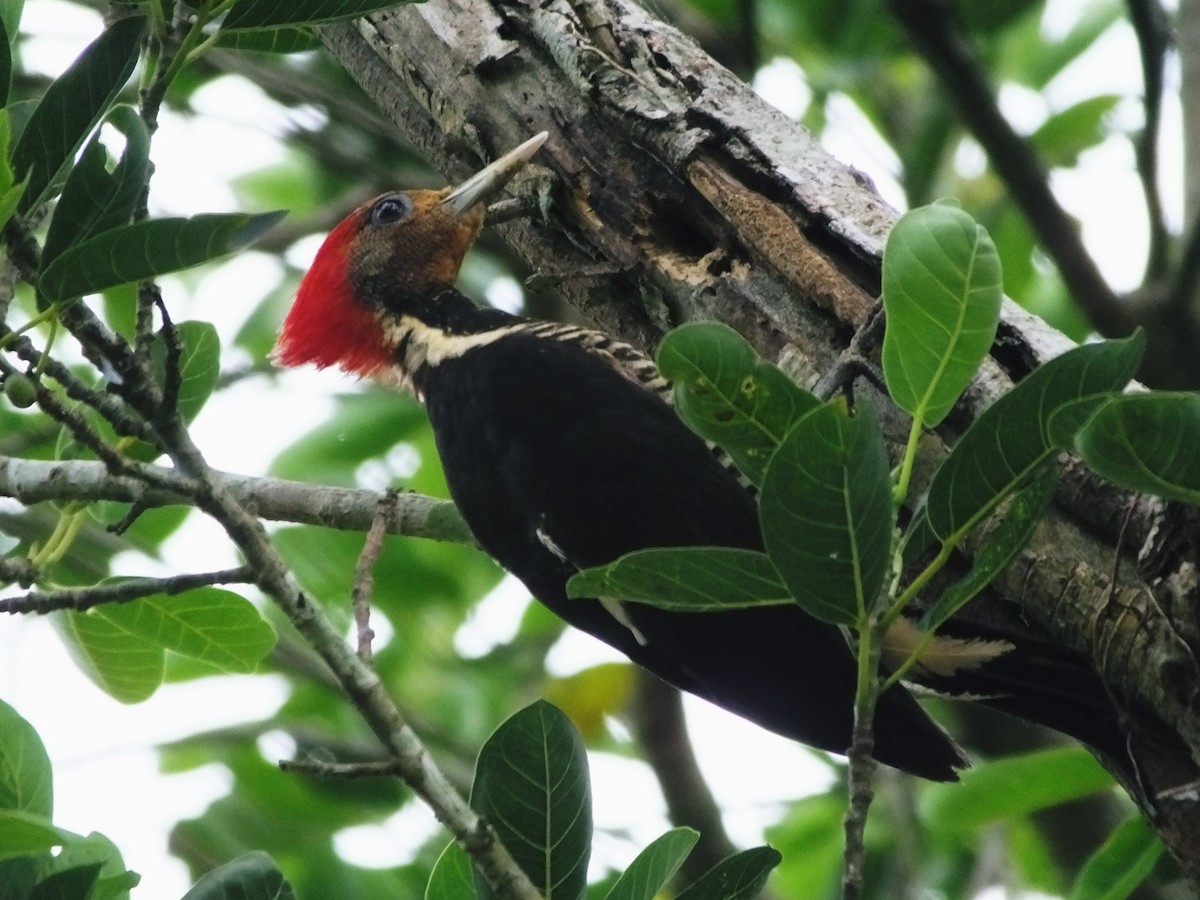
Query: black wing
[(559, 462)]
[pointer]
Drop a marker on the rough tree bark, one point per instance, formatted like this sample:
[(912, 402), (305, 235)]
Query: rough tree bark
[(668, 192)]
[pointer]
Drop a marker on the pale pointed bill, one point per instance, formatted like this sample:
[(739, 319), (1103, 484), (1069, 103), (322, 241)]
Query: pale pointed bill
[(489, 181)]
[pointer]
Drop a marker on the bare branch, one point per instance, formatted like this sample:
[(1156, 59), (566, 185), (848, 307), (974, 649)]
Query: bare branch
[(17, 570), (80, 599), (1154, 39), (1185, 286), (321, 769), (659, 725), (1187, 37), (416, 515), (364, 578)]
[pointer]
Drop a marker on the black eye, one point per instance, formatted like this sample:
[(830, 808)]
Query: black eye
[(391, 208)]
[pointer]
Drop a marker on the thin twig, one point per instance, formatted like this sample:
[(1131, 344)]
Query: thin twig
[(933, 29), (364, 577), (172, 376), (1154, 40), (861, 787), (122, 419), (349, 771), (73, 420), (80, 599), (1186, 283), (17, 570)]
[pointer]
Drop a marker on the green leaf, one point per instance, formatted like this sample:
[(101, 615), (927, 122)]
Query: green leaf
[(1015, 786), (365, 426), (251, 877), (10, 190), (452, 877), (815, 824), (68, 884), (826, 512), (93, 199), (25, 777), (1066, 134), (993, 17), (686, 579), (5, 64), (737, 877), (1012, 528), (941, 290), (1018, 432), (23, 833), (531, 784), (1121, 864), (10, 18), (148, 249), (286, 39), (19, 115), (1147, 442), (115, 880), (654, 866), (125, 667), (1039, 59), (216, 626), (7, 176), (199, 364), (274, 13), (728, 395), (9, 199), (73, 105)]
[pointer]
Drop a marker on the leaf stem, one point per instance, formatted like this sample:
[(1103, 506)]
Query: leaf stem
[(900, 490), (49, 314), (918, 584), (70, 522), (861, 787)]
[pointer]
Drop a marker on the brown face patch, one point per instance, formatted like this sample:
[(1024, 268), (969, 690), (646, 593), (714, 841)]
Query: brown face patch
[(416, 255)]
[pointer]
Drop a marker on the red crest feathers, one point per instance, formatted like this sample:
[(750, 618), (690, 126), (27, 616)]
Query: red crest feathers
[(326, 325)]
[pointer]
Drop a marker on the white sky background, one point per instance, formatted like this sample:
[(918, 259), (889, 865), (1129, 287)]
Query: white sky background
[(105, 769)]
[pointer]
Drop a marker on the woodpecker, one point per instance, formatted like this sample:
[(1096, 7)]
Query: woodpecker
[(562, 452)]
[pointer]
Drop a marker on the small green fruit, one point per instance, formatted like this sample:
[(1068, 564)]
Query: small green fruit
[(20, 390)]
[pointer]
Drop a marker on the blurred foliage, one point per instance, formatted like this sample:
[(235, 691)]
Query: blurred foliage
[(338, 150)]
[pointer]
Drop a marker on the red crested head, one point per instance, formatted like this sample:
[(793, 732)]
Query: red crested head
[(384, 263), (327, 324)]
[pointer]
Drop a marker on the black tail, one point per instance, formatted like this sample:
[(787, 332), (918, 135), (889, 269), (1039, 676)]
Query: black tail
[(1043, 683)]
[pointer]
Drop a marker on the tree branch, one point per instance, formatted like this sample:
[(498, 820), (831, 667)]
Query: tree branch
[(80, 599), (932, 27), (364, 578), (658, 723), (1154, 39), (1187, 37), (415, 515)]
